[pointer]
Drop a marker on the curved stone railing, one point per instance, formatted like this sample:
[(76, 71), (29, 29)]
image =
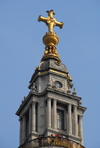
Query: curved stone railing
[(51, 141)]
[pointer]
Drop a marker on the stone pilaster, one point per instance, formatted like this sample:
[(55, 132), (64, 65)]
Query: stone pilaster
[(30, 119), (20, 131), (75, 121), (34, 116), (54, 114), (49, 113), (24, 129), (81, 128), (69, 119)]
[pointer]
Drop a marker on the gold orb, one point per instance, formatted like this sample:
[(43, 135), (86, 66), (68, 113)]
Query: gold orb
[(50, 39)]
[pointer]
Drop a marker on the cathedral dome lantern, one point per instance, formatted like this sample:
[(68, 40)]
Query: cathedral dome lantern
[(51, 115)]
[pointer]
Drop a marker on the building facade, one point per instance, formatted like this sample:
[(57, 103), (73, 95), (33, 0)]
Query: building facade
[(51, 115)]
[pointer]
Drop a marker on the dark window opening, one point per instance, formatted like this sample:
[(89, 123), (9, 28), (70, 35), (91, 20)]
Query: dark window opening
[(60, 119), (36, 117)]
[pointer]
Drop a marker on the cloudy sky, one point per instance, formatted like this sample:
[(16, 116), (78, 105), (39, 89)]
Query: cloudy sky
[(21, 50)]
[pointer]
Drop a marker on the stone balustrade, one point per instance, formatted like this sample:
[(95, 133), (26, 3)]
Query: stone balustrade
[(51, 141)]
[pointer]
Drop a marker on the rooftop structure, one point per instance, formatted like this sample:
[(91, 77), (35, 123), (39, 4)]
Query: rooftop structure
[(51, 115)]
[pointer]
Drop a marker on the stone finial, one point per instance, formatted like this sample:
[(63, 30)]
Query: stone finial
[(22, 101), (33, 88), (74, 92), (69, 91), (24, 98), (80, 103)]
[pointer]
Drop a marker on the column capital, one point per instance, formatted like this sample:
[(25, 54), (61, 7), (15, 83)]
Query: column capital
[(75, 107), (20, 118), (33, 102), (48, 98), (55, 100), (81, 116), (30, 105), (69, 105), (24, 115)]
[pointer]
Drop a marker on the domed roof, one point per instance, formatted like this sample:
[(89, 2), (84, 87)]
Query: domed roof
[(52, 64)]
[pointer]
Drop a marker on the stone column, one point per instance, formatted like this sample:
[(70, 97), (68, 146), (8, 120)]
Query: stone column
[(54, 114), (49, 113), (30, 119), (20, 131), (81, 128), (24, 129), (75, 121), (69, 119), (34, 116)]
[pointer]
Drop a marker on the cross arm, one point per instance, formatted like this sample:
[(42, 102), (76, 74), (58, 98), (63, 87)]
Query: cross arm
[(59, 24), (40, 18)]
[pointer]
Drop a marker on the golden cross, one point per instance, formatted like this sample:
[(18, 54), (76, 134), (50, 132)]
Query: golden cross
[(50, 21)]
